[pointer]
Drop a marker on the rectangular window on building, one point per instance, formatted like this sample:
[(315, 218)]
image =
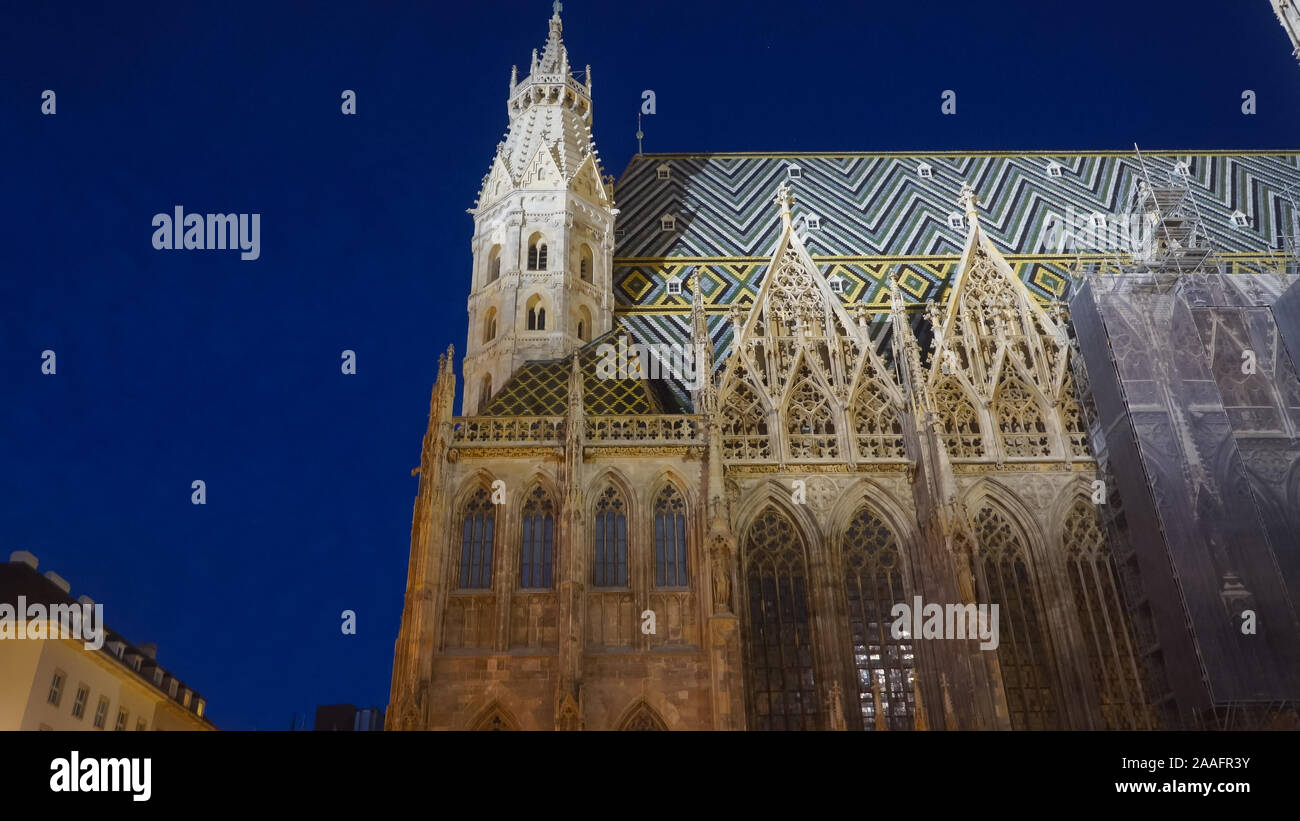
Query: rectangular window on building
[(56, 687), (101, 713), (140, 725), (79, 703), (122, 716)]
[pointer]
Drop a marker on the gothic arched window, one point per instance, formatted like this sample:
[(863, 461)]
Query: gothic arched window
[(609, 559), (477, 522), (536, 313), (1024, 653), (490, 326), (959, 422), (485, 393), (494, 264), (1020, 421), (536, 253), (1076, 434), (1103, 616), (781, 684), (537, 550), (584, 323), (873, 580), (586, 263), (670, 539)]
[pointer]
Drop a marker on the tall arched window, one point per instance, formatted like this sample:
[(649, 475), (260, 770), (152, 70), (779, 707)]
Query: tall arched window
[(485, 393), (1020, 421), (586, 263), (873, 580), (584, 323), (494, 264), (1024, 653), (781, 686), (536, 313), (490, 326), (537, 553), (670, 539), (609, 559), (477, 522), (1103, 616), (536, 253)]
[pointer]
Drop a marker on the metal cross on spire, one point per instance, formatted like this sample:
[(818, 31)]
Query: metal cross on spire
[(558, 6)]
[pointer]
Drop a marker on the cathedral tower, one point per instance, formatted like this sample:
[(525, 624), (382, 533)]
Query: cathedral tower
[(543, 230)]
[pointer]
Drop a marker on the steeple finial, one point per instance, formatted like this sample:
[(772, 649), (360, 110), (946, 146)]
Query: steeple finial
[(785, 200), (557, 6), (970, 202)]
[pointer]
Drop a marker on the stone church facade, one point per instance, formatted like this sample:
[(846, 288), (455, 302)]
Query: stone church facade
[(853, 382)]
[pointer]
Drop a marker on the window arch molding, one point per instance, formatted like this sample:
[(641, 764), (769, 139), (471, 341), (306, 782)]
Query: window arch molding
[(536, 312), (483, 551), (633, 507), (671, 558), (536, 566), (1033, 640), (779, 602)]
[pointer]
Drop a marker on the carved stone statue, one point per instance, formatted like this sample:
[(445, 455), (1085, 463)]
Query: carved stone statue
[(721, 575)]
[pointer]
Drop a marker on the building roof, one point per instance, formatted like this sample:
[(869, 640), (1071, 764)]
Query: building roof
[(877, 212), (19, 577), (541, 388)]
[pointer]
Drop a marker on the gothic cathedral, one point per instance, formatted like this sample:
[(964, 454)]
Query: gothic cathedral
[(722, 420)]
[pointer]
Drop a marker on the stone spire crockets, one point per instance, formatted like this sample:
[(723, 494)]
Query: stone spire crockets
[(543, 244)]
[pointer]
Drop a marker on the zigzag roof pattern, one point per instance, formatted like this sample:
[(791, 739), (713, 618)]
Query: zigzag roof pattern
[(878, 213), (879, 205)]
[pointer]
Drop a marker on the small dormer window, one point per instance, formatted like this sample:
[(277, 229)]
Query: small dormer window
[(674, 285), (1240, 220), (812, 222), (668, 223), (1098, 221), (1182, 168), (663, 172), (794, 171), (837, 283), (925, 171), (1054, 169), (956, 220), (618, 233)]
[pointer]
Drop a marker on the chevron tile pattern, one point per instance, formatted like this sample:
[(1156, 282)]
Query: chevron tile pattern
[(878, 212)]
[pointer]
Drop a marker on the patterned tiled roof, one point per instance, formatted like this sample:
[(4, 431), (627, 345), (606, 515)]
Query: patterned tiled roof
[(541, 388), (878, 211)]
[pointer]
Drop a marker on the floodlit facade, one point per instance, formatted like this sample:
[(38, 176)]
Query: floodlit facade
[(722, 418)]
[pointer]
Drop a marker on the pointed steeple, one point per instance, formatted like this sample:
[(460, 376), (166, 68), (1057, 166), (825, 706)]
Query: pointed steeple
[(542, 281)]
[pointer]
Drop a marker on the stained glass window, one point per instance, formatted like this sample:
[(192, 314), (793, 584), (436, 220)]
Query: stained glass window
[(609, 563), (537, 549), (670, 539), (479, 519)]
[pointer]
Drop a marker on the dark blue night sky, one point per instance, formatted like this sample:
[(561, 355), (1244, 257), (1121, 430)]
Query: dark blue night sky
[(175, 366)]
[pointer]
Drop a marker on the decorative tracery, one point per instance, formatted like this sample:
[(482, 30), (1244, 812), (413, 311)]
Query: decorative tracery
[(781, 681), (744, 426), (958, 421), (873, 581), (1103, 617), (1020, 421), (877, 427), (1024, 653), (809, 423)]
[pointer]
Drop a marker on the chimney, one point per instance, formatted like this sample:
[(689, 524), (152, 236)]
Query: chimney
[(24, 557)]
